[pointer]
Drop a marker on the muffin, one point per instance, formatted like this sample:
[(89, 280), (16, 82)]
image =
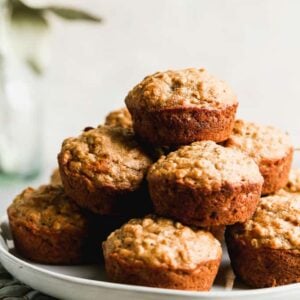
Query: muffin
[(55, 178), (47, 227), (162, 253), (205, 184), (120, 117), (103, 170), (293, 185), (269, 147), (265, 251), (179, 107), (217, 231)]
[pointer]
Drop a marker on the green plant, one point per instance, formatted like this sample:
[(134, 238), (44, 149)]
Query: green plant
[(26, 27)]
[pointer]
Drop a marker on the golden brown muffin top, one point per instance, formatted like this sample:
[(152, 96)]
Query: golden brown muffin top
[(120, 117), (107, 156), (188, 87), (293, 185), (47, 207), (259, 141), (275, 224), (55, 178), (160, 242), (206, 165)]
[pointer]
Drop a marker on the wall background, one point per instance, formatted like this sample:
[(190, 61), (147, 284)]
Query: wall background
[(252, 44)]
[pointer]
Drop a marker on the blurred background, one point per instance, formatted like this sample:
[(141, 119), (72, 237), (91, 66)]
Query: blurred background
[(252, 44)]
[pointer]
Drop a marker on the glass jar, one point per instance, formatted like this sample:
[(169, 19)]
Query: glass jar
[(20, 115)]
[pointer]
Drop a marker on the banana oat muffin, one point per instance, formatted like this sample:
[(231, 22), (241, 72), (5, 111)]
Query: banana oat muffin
[(269, 147), (55, 178), (293, 185), (179, 107), (120, 117), (205, 184), (162, 253), (265, 251), (103, 170), (47, 227)]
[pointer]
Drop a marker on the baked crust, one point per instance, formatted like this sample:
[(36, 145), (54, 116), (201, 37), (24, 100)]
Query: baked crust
[(200, 279), (201, 207), (159, 252), (276, 172), (265, 250), (180, 126), (52, 232), (203, 184), (262, 267), (120, 117), (175, 88), (179, 107), (103, 170), (269, 147)]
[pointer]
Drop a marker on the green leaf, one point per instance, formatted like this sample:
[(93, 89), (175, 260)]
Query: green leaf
[(72, 14), (28, 37), (34, 65)]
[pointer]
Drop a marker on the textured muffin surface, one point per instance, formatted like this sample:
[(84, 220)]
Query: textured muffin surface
[(47, 207), (259, 141), (275, 224), (120, 117), (160, 242), (206, 164), (107, 156), (188, 87)]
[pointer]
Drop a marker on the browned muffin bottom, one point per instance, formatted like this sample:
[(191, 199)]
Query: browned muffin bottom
[(103, 170), (47, 227), (269, 147), (119, 118), (265, 251), (205, 184), (162, 253), (55, 178), (179, 107)]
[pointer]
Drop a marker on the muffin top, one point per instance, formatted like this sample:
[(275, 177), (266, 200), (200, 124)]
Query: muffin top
[(293, 185), (161, 242), (275, 224), (106, 156), (188, 87), (47, 207), (120, 117), (55, 178), (206, 165), (259, 141)]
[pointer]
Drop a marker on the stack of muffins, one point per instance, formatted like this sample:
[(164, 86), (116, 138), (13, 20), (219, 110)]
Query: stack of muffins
[(157, 185)]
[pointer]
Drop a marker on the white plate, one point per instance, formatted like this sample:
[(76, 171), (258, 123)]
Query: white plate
[(89, 282)]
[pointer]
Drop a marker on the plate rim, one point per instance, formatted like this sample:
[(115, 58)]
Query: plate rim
[(135, 288)]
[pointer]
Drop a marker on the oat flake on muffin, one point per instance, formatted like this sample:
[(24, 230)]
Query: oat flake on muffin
[(102, 168), (269, 147), (205, 184), (120, 117), (265, 250), (179, 256), (47, 226), (179, 107)]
